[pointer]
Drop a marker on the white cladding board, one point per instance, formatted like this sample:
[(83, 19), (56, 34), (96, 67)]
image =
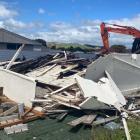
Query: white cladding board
[(104, 91), (17, 87)]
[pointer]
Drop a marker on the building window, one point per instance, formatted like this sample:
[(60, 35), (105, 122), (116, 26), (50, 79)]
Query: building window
[(11, 46)]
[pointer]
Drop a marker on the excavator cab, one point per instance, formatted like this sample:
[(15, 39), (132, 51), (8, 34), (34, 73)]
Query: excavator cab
[(136, 46)]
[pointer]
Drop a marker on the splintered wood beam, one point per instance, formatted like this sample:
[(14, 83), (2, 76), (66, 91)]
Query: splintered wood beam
[(59, 90), (45, 71), (77, 121), (27, 112), (86, 119), (89, 119), (65, 54), (131, 113), (17, 121), (35, 112), (62, 116), (5, 99), (9, 111)]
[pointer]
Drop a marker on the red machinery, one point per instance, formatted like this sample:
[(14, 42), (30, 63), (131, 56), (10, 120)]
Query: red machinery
[(122, 30)]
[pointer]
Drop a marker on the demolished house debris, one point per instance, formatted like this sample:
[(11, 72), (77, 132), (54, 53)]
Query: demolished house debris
[(57, 85)]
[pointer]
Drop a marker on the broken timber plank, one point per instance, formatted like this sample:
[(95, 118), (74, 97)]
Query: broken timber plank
[(4, 118), (9, 111), (69, 68), (65, 54), (57, 111), (104, 120), (77, 121), (131, 113), (86, 119), (17, 121), (45, 71), (89, 119), (57, 54), (62, 116), (5, 99), (61, 89)]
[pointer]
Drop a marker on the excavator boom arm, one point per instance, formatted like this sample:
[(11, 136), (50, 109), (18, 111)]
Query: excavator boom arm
[(116, 29)]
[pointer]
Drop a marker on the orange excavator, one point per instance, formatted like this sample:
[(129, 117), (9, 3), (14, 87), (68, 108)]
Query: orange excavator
[(105, 29)]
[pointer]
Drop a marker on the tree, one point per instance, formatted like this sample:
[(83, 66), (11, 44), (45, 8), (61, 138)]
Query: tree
[(53, 47), (71, 48), (118, 48), (42, 41)]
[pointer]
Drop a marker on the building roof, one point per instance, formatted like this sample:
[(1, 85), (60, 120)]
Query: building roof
[(11, 37)]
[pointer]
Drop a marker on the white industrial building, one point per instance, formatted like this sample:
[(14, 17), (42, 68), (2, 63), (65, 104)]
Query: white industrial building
[(12, 41)]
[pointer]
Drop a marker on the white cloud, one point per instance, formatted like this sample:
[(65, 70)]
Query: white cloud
[(41, 11), (16, 25), (8, 20), (88, 32), (69, 33), (6, 12)]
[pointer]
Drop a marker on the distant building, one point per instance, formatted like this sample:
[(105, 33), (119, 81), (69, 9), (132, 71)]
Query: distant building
[(12, 41)]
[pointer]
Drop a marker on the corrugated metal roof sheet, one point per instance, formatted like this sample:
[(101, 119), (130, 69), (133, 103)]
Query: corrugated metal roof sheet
[(10, 37)]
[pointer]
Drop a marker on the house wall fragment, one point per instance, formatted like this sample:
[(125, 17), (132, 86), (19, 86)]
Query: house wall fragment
[(17, 87)]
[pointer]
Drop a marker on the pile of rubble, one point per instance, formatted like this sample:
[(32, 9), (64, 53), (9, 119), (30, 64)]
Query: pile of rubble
[(54, 86), (13, 115)]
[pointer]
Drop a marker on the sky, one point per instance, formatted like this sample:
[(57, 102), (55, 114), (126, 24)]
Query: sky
[(69, 21)]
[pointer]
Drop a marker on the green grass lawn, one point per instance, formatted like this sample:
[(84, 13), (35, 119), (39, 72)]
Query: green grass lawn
[(100, 133), (51, 129)]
